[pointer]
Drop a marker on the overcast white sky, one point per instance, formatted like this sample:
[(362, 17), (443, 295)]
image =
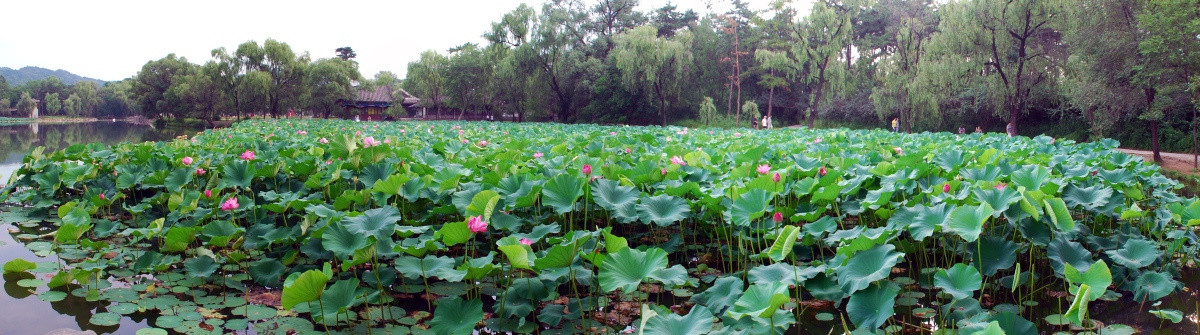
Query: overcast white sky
[(111, 40)]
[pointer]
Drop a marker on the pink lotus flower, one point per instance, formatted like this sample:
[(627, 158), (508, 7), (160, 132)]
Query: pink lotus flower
[(208, 193), (821, 171), (301, 132), (537, 155), (776, 177), (481, 143), (664, 171), (186, 161), (370, 142), (200, 172), (613, 133), (737, 134), (677, 161), (946, 188), (628, 150), (587, 169), (102, 197), (763, 169), (248, 155), (476, 224), (323, 140), (357, 133), (898, 151), (229, 204), (526, 241), (460, 132), (778, 217), (387, 141), (818, 140), (1001, 186)]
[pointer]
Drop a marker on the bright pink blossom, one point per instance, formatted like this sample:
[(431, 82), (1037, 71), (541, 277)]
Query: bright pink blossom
[(628, 150), (387, 140), (526, 241), (208, 193), (778, 217), (821, 171), (370, 142), (229, 204), (248, 155), (102, 197), (776, 177), (677, 161), (587, 169), (664, 171), (898, 151), (476, 224), (613, 133), (537, 155), (186, 161), (481, 143), (1001, 186), (817, 140), (763, 169), (946, 188), (323, 140), (737, 134), (301, 132), (200, 172)]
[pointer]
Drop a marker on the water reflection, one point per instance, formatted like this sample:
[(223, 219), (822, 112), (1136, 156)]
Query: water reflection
[(16, 141)]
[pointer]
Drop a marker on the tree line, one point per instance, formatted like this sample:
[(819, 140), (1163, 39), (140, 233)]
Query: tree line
[(1128, 69), (268, 79), (1082, 69)]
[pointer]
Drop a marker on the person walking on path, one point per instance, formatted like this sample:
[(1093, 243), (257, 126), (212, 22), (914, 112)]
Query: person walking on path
[(1011, 129), (895, 125)]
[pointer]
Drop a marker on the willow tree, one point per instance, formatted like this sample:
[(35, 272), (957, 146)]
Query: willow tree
[(653, 64), (822, 36), (329, 80), (427, 78), (1171, 49), (899, 90), (1103, 37), (1011, 44)]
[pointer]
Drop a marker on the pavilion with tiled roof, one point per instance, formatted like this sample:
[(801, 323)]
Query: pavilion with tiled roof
[(370, 104)]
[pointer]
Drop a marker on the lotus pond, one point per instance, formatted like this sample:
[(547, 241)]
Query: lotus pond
[(454, 228)]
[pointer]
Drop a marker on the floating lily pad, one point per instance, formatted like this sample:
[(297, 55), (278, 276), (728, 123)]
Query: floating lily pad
[(924, 312), (1057, 320), (168, 321), (30, 283), (123, 308), (52, 296), (824, 317), (151, 331), (105, 319)]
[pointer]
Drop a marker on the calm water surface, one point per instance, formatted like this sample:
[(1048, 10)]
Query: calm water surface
[(21, 311)]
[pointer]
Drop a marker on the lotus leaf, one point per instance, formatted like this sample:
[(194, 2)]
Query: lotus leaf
[(967, 221), (760, 301), (698, 321), (871, 307), (455, 316), (722, 294), (662, 210), (1135, 254), (867, 266), (960, 280)]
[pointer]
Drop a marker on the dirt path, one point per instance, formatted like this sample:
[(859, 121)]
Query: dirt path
[(1180, 162)]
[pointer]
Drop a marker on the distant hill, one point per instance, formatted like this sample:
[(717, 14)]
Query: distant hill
[(31, 73)]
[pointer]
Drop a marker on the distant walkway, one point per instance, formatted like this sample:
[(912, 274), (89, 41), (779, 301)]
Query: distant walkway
[(1179, 162)]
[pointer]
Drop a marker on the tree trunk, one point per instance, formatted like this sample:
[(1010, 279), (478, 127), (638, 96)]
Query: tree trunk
[(770, 100), (1154, 141), (1195, 154), (1150, 95)]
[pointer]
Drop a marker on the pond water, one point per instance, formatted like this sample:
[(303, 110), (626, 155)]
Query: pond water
[(23, 312)]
